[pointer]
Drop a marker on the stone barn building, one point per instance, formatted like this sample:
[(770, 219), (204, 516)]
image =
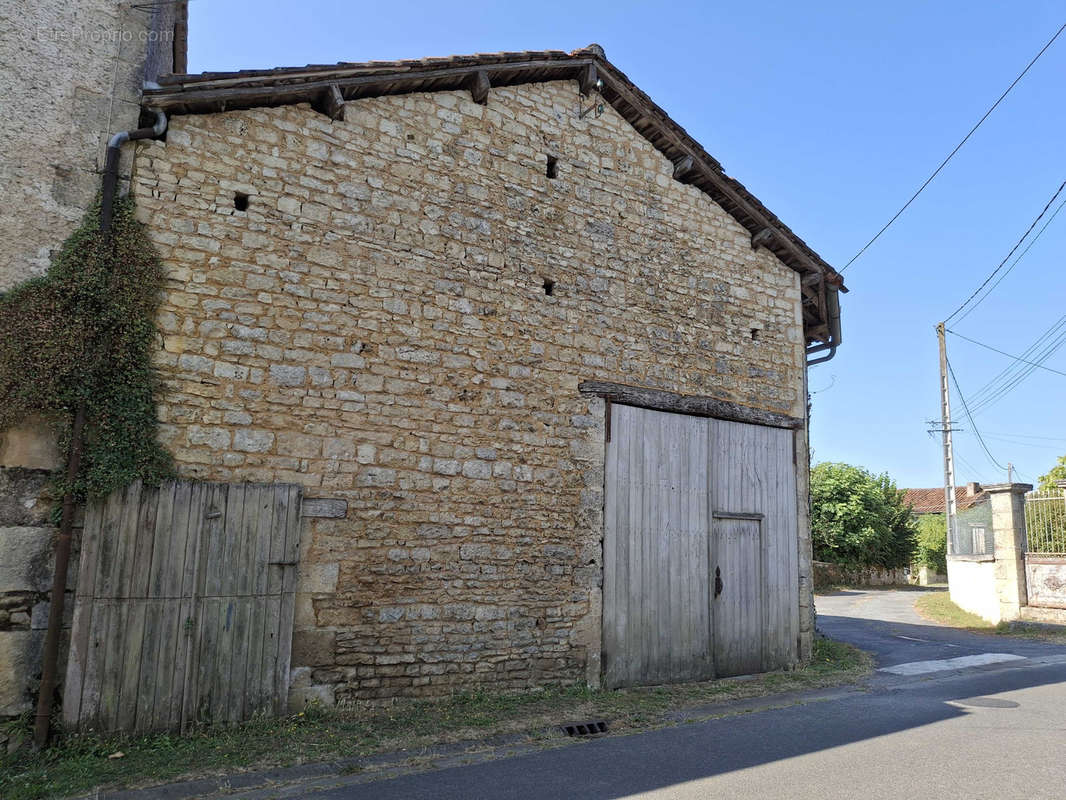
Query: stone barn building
[(550, 355)]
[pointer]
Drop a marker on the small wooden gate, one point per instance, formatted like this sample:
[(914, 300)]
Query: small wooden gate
[(700, 548), (184, 606)]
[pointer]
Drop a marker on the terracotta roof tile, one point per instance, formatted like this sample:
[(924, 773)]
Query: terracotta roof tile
[(931, 501)]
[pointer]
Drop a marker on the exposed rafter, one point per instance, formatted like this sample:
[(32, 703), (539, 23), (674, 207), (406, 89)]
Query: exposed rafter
[(327, 87)]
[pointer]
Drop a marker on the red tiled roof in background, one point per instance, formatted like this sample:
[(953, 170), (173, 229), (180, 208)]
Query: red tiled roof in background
[(931, 501)]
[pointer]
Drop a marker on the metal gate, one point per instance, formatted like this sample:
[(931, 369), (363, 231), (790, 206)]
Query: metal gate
[(1045, 548), (700, 548), (184, 606)]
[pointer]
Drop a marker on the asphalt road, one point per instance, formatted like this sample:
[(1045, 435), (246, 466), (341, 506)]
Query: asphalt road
[(994, 731), (884, 622)]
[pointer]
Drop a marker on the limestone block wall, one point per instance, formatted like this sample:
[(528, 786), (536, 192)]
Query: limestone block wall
[(26, 566), (397, 309), (70, 76)]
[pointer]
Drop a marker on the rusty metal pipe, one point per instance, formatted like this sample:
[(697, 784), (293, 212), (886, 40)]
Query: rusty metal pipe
[(50, 657)]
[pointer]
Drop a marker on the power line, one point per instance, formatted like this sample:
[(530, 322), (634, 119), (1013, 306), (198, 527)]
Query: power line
[(969, 416), (1017, 244), (994, 394), (1010, 269), (1019, 443), (1008, 355), (957, 148), (976, 472), (1010, 375), (1029, 435)]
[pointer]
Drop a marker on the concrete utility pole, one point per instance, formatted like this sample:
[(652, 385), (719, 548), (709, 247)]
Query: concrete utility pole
[(945, 426)]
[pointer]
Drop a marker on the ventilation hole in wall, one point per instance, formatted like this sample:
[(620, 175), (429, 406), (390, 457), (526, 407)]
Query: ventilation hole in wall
[(553, 167), (754, 334), (240, 201), (549, 286)]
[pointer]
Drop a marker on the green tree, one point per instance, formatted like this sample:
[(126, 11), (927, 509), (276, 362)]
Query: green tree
[(858, 518), (931, 542), (1056, 473)]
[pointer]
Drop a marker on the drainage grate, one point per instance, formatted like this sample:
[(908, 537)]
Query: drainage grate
[(585, 728)]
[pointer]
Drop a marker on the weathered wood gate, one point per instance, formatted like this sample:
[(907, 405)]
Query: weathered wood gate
[(700, 548), (184, 606)]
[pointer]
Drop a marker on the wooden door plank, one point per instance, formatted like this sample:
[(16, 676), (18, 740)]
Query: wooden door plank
[(110, 544), (113, 665), (81, 622), (163, 642), (190, 501), (199, 698), (244, 565), (288, 598), (221, 675), (139, 695), (129, 677), (92, 693), (125, 554), (258, 696)]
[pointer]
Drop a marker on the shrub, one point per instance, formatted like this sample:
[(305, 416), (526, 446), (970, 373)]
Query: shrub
[(931, 543), (858, 519)]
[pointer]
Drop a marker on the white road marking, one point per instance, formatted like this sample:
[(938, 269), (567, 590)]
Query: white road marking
[(946, 664), (930, 641)]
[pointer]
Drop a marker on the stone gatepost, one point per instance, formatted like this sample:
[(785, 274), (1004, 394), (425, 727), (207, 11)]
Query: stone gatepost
[(1008, 529)]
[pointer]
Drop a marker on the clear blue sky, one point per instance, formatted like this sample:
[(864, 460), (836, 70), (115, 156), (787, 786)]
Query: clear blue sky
[(832, 113)]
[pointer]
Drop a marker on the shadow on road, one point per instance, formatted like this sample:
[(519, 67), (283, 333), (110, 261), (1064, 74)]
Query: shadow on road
[(625, 766)]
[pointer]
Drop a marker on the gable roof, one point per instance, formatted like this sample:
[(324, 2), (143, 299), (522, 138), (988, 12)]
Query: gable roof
[(328, 86), (931, 501)]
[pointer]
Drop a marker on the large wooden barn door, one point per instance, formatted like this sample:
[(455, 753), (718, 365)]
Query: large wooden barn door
[(656, 624), (699, 548), (184, 607)]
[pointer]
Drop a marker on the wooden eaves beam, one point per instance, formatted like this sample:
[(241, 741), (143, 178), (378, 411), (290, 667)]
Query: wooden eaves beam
[(167, 98), (479, 87)]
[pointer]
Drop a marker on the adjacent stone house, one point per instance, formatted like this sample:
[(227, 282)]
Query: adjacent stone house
[(71, 75), (489, 301), (973, 535)]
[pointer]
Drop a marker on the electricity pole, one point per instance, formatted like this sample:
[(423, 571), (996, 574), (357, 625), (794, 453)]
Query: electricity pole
[(945, 425)]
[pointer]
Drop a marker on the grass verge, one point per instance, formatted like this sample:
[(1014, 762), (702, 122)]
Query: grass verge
[(937, 606), (81, 763)]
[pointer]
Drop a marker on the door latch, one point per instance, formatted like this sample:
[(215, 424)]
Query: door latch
[(718, 585)]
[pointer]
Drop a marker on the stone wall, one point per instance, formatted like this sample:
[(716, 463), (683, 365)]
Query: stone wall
[(397, 309), (827, 575), (993, 585), (70, 76), (26, 566)]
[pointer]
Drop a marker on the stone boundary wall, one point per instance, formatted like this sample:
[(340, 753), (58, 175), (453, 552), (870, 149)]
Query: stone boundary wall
[(827, 574), (396, 309), (993, 585)]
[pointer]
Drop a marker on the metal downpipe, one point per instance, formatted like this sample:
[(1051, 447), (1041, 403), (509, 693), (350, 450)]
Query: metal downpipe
[(833, 306), (50, 657)]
